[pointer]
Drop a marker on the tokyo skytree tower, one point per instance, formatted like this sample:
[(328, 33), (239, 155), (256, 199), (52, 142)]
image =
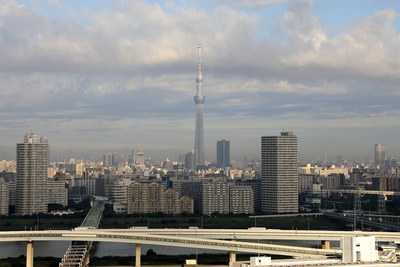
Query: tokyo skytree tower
[(199, 132)]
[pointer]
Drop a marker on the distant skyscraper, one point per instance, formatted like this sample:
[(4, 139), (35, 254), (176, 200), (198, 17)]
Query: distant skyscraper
[(379, 156), (199, 132), (107, 160), (32, 162), (279, 185), (189, 161), (223, 153), (139, 157), (133, 156)]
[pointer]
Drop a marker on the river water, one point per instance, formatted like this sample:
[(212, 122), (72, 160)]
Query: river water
[(58, 248)]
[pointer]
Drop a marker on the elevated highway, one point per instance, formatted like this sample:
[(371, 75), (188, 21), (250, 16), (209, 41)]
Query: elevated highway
[(263, 234), (97, 235), (253, 240), (365, 192)]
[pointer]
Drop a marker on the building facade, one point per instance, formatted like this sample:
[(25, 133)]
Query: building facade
[(153, 197), (32, 161), (57, 192), (223, 153), (4, 197), (279, 164), (255, 185), (215, 197), (241, 199), (191, 189)]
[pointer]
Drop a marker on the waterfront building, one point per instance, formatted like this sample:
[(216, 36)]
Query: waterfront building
[(215, 197), (241, 199), (279, 164), (152, 197), (9, 178), (57, 192), (32, 161), (255, 185), (170, 203), (4, 197), (186, 204), (223, 154), (191, 189), (118, 193)]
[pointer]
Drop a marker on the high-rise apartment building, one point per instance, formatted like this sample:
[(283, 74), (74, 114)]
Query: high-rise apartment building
[(153, 197), (223, 153), (32, 162), (255, 185), (215, 197), (379, 156), (279, 186), (241, 199), (199, 99), (4, 197), (191, 189)]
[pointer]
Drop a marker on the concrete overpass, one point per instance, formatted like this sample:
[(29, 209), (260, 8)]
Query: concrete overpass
[(365, 192), (253, 240), (176, 238), (259, 233)]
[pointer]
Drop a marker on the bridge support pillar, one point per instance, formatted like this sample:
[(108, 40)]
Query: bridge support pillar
[(29, 254), (232, 256), (137, 255), (326, 244)]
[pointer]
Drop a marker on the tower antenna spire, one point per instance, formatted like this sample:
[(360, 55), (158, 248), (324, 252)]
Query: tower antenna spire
[(199, 79), (199, 57)]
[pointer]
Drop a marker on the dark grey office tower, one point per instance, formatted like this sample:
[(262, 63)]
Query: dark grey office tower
[(223, 153), (279, 185), (190, 163)]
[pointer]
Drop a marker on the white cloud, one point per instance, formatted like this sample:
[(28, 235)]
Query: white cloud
[(371, 49), (139, 60)]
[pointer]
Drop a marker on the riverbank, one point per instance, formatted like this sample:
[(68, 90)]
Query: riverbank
[(165, 260), (18, 223), (205, 259)]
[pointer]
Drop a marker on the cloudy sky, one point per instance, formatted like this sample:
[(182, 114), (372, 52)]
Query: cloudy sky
[(106, 75)]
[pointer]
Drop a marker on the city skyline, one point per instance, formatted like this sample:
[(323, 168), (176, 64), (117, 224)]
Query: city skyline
[(105, 76)]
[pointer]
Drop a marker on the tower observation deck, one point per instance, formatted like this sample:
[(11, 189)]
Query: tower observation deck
[(199, 99)]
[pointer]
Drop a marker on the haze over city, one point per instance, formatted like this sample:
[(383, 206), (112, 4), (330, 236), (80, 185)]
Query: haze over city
[(109, 75)]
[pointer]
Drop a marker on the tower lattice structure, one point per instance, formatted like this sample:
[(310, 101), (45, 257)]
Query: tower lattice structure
[(199, 99)]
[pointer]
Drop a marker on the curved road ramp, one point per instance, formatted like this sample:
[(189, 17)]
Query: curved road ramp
[(77, 254)]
